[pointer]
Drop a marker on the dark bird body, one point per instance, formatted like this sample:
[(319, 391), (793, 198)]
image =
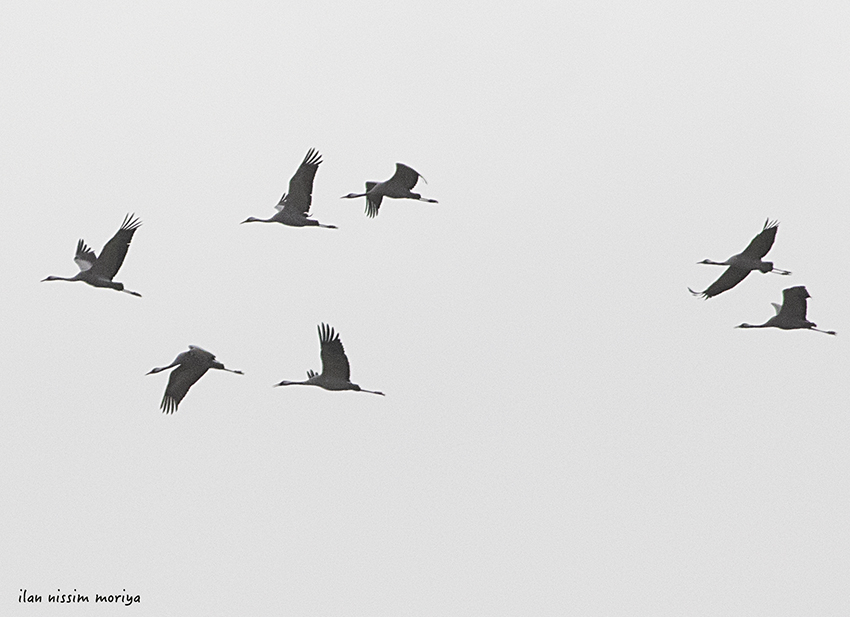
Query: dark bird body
[(191, 366), (791, 315), (293, 209), (740, 265), (397, 187), (99, 271), (336, 372)]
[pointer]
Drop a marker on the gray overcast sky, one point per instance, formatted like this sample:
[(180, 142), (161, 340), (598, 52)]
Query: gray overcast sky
[(566, 430)]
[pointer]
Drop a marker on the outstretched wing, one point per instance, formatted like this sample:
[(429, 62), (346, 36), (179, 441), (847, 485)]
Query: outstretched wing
[(300, 194), (760, 245), (373, 202), (181, 379), (405, 176), (794, 303), (727, 281), (113, 253), (85, 257), (334, 362)]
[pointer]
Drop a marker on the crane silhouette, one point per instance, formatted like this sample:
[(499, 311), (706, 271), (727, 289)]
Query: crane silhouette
[(743, 263), (191, 366), (397, 187), (293, 209), (791, 314), (335, 369), (99, 271)]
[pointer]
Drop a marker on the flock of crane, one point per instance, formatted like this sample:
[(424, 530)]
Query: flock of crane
[(791, 314), (292, 210)]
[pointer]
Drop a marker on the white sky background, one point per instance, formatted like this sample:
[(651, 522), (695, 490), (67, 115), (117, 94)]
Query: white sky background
[(566, 430)]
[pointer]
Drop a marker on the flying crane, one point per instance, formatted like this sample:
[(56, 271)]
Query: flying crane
[(335, 368), (191, 366), (293, 209), (397, 187), (99, 271), (740, 265), (791, 314)]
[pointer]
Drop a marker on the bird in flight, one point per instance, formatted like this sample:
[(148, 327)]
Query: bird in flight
[(294, 207), (791, 314), (99, 271), (740, 265), (335, 369), (397, 187), (191, 366)]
